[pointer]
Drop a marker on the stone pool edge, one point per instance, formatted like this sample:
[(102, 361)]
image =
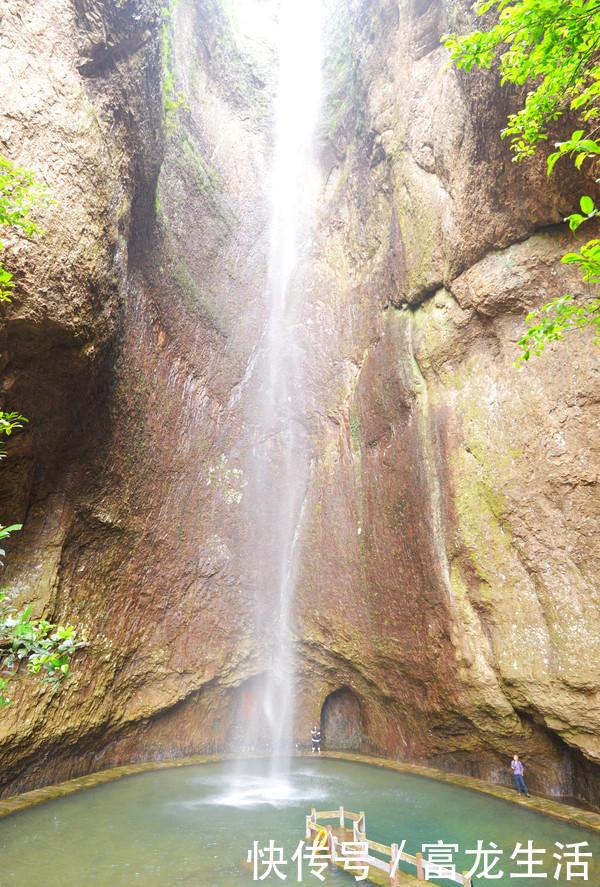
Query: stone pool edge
[(29, 799), (545, 806)]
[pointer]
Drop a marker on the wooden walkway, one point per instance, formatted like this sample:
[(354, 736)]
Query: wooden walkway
[(359, 858), (376, 876)]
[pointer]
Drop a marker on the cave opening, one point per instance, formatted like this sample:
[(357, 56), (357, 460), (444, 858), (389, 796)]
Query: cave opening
[(557, 768), (343, 721)]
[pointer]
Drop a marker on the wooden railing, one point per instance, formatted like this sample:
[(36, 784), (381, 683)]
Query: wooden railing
[(359, 836)]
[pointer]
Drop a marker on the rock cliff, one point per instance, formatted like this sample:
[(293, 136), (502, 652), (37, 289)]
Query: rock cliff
[(447, 608)]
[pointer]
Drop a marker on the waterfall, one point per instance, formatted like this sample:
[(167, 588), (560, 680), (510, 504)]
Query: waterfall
[(278, 460)]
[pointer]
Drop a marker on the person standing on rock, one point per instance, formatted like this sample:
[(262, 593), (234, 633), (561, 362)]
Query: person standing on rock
[(315, 735), (517, 768)]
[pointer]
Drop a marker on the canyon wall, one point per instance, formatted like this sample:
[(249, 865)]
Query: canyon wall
[(446, 608)]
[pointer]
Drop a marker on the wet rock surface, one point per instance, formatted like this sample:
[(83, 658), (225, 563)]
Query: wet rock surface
[(449, 562), (448, 597)]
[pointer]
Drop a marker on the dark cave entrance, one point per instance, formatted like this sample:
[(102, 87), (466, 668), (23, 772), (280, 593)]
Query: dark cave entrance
[(555, 767), (343, 721)]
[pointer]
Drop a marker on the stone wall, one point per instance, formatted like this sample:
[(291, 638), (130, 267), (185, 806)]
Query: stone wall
[(454, 507)]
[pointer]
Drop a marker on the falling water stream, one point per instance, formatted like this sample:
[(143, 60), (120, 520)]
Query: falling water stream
[(278, 461)]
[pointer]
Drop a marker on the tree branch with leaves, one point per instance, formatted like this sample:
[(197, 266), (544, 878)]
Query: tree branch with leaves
[(42, 647), (19, 193), (553, 46)]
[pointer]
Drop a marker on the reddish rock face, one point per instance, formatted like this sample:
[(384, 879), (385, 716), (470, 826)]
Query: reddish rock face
[(446, 608)]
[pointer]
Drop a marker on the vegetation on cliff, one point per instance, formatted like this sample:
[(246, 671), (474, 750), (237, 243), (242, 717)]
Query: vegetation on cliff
[(40, 645), (19, 193), (554, 48)]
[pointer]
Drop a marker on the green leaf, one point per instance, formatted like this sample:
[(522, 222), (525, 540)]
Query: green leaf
[(575, 221), (6, 531)]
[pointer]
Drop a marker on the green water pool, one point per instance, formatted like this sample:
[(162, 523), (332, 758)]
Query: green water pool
[(196, 826)]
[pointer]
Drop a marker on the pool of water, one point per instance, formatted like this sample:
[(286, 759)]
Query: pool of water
[(196, 825)]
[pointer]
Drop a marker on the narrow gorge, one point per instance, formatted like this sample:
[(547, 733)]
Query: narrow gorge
[(447, 585)]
